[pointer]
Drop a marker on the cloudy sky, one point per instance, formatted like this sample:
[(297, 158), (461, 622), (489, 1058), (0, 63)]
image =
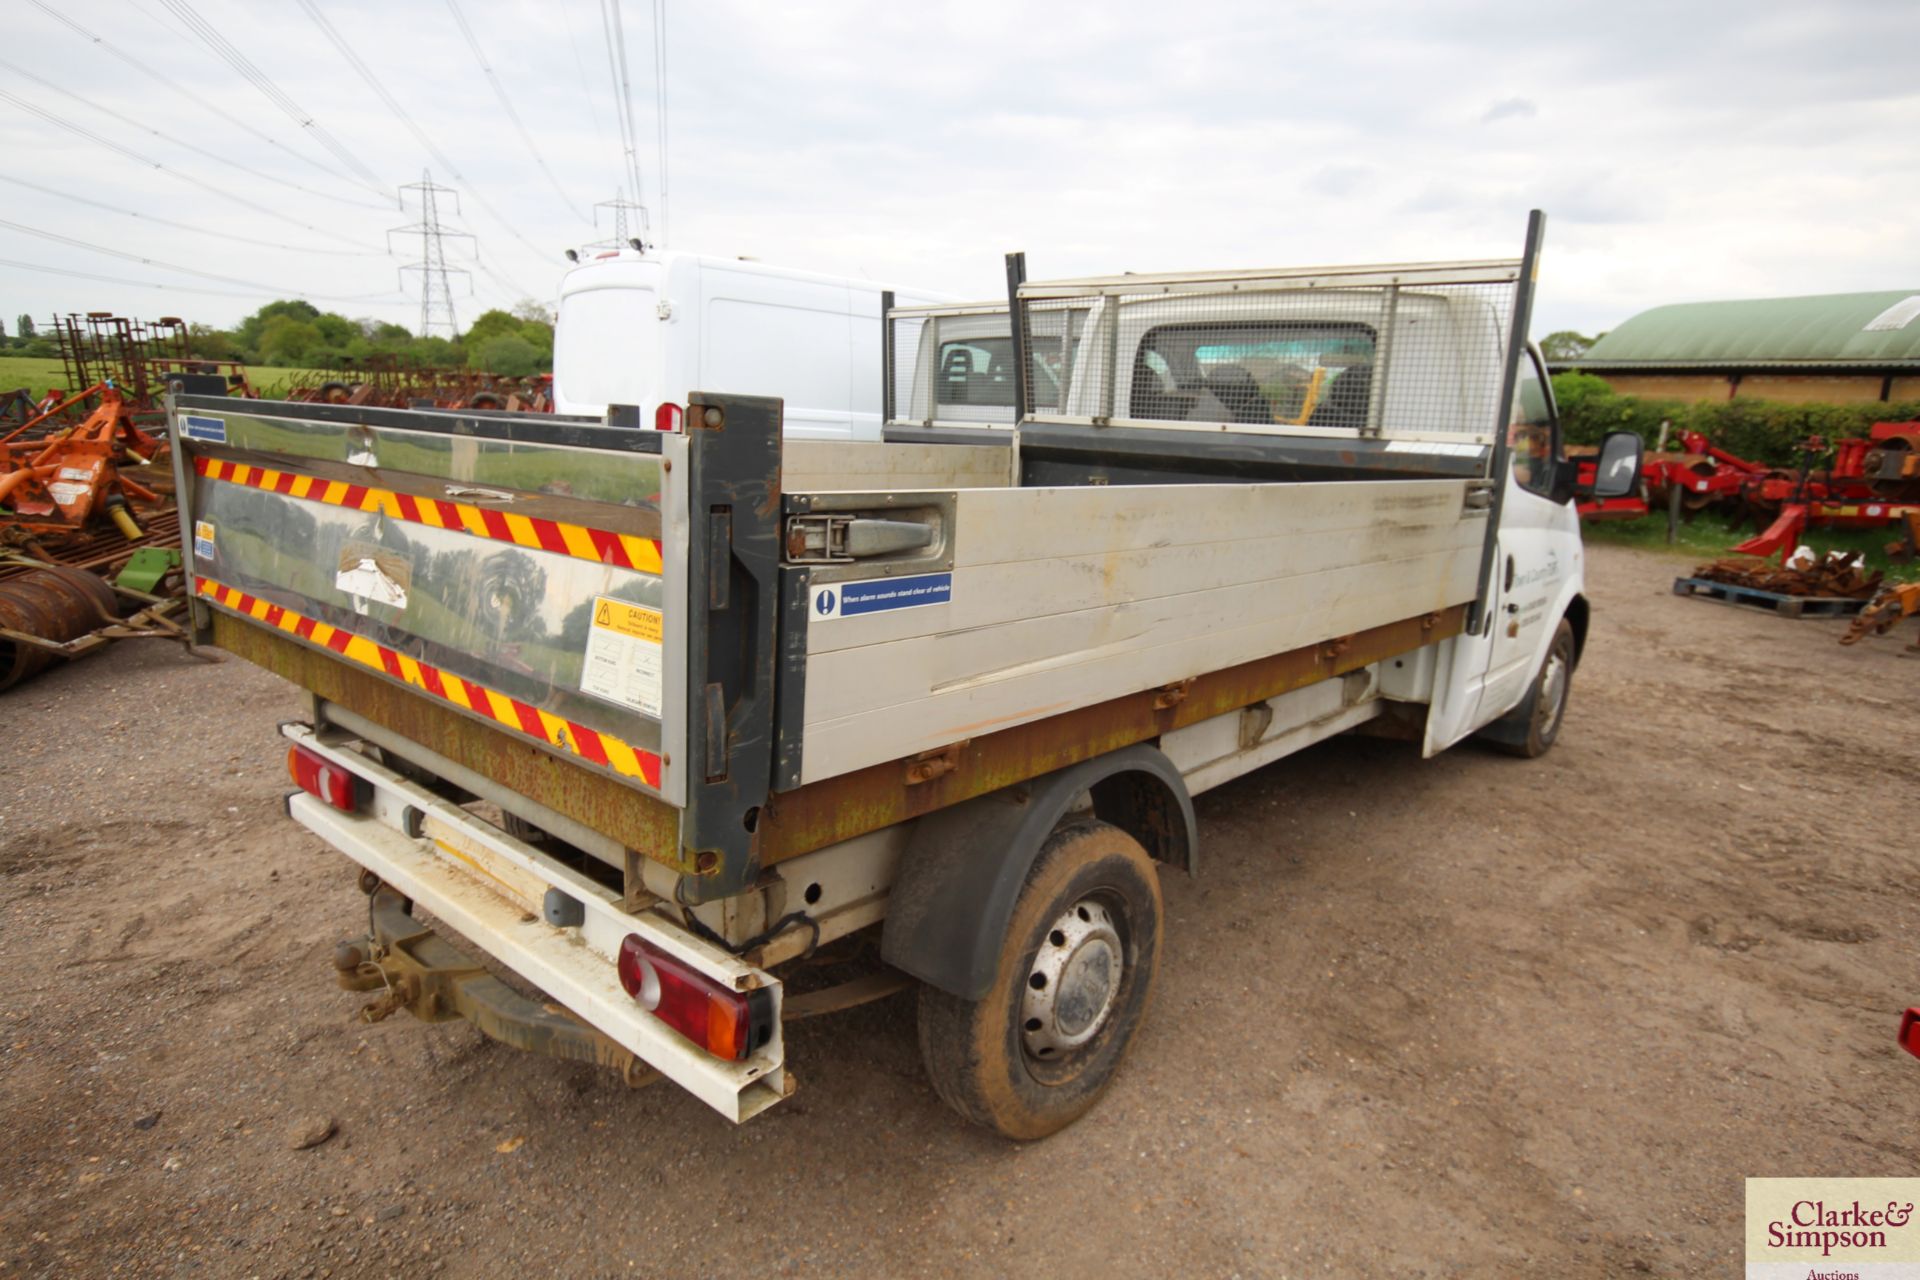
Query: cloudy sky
[(1682, 150)]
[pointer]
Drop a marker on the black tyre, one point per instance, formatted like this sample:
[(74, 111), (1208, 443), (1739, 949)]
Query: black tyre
[(1535, 723), (1075, 977)]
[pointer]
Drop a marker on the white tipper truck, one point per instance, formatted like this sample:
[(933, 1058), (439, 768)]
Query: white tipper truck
[(645, 715)]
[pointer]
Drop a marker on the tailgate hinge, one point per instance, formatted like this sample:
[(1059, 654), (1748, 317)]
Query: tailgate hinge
[(929, 765), (1172, 695)]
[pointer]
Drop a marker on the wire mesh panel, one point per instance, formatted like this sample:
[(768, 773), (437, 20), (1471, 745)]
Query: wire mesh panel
[(1395, 352), (953, 365), (903, 347)]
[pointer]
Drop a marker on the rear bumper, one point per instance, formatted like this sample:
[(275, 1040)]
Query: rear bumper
[(488, 887)]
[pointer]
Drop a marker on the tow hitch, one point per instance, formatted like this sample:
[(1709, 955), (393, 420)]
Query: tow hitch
[(415, 969)]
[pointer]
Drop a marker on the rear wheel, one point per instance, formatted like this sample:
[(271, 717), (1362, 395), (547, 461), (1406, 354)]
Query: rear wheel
[(1075, 976), (1546, 702)]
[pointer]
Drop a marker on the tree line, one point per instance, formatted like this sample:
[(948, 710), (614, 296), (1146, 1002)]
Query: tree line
[(295, 334)]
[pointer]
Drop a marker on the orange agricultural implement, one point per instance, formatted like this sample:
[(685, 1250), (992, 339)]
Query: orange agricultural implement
[(58, 483)]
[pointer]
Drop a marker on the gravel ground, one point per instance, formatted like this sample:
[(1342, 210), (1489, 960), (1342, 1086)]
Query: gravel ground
[(1460, 1017)]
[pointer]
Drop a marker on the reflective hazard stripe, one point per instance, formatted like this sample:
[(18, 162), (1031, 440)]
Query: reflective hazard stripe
[(589, 744), (622, 550)]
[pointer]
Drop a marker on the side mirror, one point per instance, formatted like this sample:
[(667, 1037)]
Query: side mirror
[(1616, 472)]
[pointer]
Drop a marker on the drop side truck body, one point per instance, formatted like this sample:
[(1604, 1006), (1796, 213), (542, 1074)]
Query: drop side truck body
[(645, 715)]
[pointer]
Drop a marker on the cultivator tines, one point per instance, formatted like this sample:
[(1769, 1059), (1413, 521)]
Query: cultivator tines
[(138, 357), (382, 382), (1834, 578)]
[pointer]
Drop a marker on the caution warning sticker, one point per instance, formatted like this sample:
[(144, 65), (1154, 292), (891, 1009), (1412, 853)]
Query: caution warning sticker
[(624, 655)]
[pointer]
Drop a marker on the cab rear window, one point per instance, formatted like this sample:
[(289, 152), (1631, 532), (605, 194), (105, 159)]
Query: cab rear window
[(1259, 374)]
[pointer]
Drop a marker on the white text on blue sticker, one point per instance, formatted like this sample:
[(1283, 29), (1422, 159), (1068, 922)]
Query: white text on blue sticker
[(878, 595)]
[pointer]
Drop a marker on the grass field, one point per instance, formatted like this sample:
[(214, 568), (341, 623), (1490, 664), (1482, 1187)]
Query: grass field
[(1708, 537), (37, 374)]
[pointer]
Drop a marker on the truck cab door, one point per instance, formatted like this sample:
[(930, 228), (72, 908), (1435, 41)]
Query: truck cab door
[(1537, 556), (1539, 548)]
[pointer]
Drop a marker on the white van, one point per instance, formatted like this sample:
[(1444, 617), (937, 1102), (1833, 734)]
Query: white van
[(647, 327)]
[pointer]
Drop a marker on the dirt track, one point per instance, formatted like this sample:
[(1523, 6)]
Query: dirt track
[(1469, 1016)]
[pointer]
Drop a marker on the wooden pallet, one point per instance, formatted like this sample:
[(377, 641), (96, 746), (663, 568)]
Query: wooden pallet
[(1773, 601)]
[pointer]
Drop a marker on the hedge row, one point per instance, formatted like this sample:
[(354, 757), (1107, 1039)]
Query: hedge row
[(1757, 429)]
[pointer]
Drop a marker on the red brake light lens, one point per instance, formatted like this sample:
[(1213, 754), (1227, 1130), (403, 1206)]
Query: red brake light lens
[(1910, 1032), (666, 417), (318, 776), (728, 1024)]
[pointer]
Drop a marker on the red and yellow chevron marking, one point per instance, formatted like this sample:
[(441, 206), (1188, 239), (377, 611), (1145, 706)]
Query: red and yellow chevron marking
[(589, 744), (622, 550)]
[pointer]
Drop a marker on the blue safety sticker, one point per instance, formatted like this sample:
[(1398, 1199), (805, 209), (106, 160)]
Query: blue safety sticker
[(211, 429), (203, 539), (877, 595)]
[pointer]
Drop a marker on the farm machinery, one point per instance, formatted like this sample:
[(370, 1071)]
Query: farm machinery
[(77, 567), (1855, 483), (384, 382), (1869, 483), (140, 358)]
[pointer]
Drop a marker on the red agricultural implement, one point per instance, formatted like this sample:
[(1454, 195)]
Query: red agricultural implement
[(1869, 483)]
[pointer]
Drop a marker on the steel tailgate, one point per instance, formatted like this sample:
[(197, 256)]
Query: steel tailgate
[(518, 571)]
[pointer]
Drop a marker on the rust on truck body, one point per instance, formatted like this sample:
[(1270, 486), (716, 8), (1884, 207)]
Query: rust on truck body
[(834, 809)]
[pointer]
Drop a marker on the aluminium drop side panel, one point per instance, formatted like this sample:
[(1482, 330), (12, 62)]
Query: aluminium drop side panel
[(821, 466), (1064, 597), (466, 560)]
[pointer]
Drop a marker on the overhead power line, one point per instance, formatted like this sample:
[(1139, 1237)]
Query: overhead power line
[(211, 37), (400, 113), (150, 163), (660, 104), (616, 39), (514, 292), (224, 114), (132, 123), (187, 226), (580, 65), (506, 105), (57, 238), (132, 284)]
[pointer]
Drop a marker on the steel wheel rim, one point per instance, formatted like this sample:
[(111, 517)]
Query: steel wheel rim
[(1553, 689), (1074, 983)]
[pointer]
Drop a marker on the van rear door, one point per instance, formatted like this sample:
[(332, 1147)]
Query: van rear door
[(608, 339)]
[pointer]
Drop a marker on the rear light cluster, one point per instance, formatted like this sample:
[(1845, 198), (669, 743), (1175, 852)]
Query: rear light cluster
[(1910, 1032), (318, 776), (666, 417), (728, 1024)]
